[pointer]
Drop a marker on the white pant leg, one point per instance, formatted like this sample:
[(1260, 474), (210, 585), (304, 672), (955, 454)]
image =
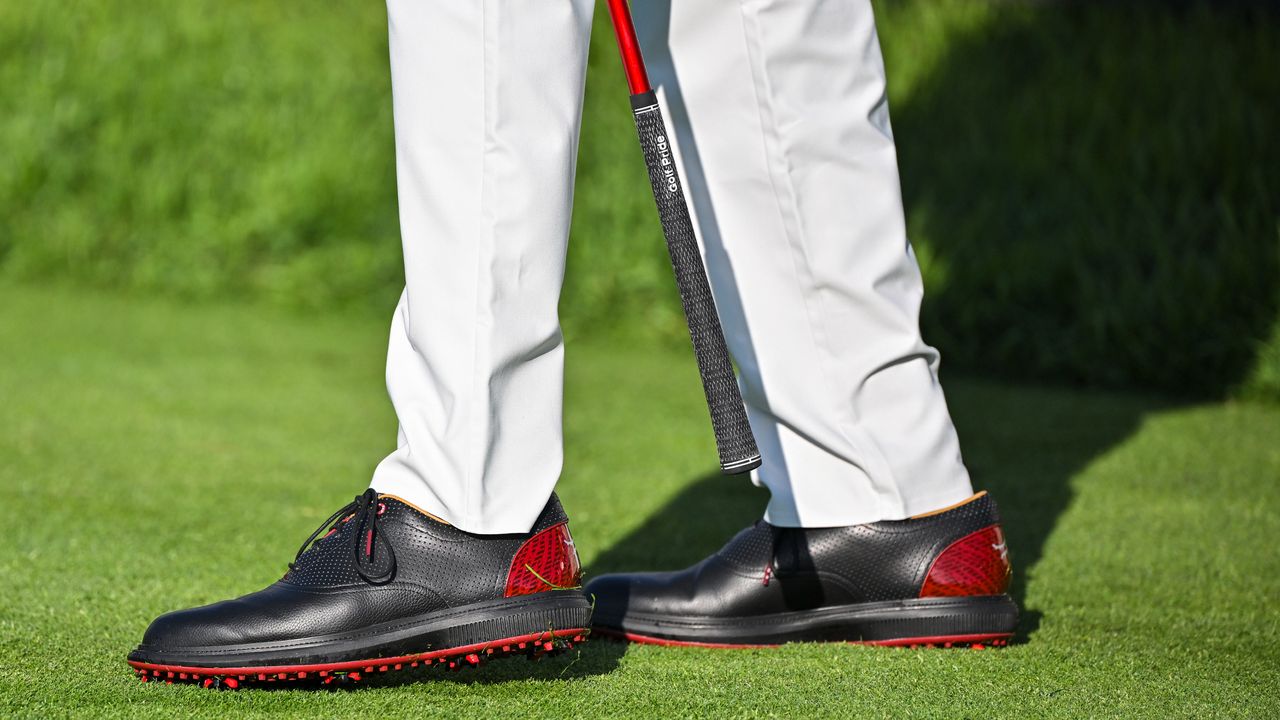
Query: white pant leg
[(487, 103), (782, 131)]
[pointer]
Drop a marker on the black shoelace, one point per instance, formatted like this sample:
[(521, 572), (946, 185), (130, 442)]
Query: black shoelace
[(364, 512)]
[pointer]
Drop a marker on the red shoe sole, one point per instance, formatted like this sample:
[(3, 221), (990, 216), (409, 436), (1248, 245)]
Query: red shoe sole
[(534, 645)]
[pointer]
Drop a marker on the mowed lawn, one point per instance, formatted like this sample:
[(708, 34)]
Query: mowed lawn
[(157, 455)]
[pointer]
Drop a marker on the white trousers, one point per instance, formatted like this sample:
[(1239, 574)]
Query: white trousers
[(782, 133)]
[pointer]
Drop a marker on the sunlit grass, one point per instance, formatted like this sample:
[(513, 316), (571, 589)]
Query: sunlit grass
[(156, 455)]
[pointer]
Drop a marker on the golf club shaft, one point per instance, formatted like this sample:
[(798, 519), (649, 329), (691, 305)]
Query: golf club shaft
[(734, 441)]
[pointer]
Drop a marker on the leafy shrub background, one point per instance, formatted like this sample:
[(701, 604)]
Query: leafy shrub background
[(1093, 188)]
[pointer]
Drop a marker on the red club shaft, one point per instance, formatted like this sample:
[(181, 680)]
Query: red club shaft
[(632, 61)]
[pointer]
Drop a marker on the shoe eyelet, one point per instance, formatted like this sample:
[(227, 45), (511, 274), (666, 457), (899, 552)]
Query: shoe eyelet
[(382, 509)]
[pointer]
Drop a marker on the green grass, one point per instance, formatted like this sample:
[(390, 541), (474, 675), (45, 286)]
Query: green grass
[(155, 455), (1093, 188)]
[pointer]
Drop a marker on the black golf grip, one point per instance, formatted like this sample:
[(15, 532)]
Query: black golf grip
[(734, 441)]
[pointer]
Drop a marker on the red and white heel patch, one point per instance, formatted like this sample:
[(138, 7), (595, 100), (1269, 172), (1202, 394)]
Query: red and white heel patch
[(546, 561), (976, 564)]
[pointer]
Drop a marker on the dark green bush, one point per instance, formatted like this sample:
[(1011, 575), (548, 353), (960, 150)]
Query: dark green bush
[(1093, 189)]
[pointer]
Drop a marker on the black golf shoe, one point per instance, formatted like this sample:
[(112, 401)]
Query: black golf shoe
[(937, 579), (387, 587)]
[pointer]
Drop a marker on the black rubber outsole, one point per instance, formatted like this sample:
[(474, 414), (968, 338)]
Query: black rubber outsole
[(532, 625), (923, 621)]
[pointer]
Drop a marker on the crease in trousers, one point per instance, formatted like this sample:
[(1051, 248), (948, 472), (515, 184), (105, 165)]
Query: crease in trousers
[(782, 132)]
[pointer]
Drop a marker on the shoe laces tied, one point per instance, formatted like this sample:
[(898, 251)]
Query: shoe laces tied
[(364, 511)]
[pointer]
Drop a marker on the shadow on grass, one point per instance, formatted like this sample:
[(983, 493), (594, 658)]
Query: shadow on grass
[(1093, 202), (1022, 444)]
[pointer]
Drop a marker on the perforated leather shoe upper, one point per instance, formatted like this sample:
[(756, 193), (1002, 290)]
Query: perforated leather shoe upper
[(414, 564), (767, 569)]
